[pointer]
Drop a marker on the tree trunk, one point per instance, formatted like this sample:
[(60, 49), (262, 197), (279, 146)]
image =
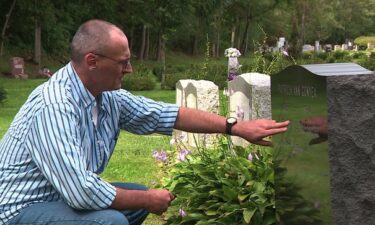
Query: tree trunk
[(243, 45), (143, 44), (131, 40), (233, 35), (7, 16), (37, 43), (234, 31), (163, 74), (194, 48), (218, 44), (147, 48), (159, 47), (303, 16)]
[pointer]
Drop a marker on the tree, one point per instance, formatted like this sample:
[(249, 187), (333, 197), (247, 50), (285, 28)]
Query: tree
[(7, 16)]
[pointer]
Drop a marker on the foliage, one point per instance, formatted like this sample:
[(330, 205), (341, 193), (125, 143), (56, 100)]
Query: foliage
[(138, 83), (367, 62), (222, 187), (363, 40), (3, 95), (268, 63), (230, 185), (185, 25)]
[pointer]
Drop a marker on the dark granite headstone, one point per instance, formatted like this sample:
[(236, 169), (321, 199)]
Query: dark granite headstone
[(300, 94), (351, 107)]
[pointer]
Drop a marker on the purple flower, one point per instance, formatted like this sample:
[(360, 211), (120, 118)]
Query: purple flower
[(181, 212), (240, 113), (182, 154), (250, 157), (232, 75), (160, 155)]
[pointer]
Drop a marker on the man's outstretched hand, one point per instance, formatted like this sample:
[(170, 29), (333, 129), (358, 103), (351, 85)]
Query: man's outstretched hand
[(255, 131)]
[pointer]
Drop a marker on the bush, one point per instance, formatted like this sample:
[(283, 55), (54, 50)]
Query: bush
[(3, 95), (321, 55), (340, 56), (157, 71), (363, 40), (358, 55), (232, 185), (368, 62), (138, 83), (172, 79), (217, 187)]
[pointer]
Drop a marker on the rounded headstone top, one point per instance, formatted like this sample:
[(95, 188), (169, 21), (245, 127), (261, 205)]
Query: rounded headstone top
[(256, 79)]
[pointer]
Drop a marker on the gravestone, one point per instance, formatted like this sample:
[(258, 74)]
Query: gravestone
[(317, 46), (202, 95), (16, 65), (333, 179), (251, 99), (337, 48)]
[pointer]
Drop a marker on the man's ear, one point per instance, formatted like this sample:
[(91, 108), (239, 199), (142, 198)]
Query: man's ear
[(90, 59)]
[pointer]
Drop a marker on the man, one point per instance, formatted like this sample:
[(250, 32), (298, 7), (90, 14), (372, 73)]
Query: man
[(65, 133)]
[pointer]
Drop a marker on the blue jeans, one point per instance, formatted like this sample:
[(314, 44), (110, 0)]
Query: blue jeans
[(59, 213)]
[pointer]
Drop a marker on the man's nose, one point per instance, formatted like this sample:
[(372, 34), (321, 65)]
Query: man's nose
[(128, 68)]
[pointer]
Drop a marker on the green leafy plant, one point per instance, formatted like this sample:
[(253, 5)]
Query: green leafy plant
[(225, 185)]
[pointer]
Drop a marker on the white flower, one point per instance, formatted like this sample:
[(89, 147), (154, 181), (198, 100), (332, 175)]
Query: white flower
[(232, 52)]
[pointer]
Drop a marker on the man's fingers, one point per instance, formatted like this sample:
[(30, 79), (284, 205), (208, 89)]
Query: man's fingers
[(277, 125), (263, 143), (275, 131)]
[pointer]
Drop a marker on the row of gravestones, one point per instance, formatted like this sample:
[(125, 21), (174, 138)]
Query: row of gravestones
[(344, 93), (249, 97)]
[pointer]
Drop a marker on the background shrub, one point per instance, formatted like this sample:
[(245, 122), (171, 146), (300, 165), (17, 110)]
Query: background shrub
[(363, 40), (138, 83), (172, 79)]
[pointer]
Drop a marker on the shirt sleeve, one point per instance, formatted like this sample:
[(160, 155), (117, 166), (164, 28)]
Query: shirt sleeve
[(55, 147), (141, 115)]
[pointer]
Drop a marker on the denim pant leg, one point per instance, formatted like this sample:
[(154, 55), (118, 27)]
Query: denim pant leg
[(59, 213), (135, 217)]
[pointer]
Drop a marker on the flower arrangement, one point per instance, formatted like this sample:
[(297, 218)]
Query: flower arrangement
[(232, 52)]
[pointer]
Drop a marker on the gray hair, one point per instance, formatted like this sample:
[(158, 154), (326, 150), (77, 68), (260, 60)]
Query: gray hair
[(92, 36)]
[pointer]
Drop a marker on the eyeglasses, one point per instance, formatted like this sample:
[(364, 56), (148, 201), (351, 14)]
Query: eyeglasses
[(124, 63)]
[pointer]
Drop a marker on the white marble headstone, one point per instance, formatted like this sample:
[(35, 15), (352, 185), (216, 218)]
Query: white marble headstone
[(251, 99)]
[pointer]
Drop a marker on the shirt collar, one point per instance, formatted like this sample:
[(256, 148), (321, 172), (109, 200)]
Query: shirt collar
[(80, 90), (83, 94)]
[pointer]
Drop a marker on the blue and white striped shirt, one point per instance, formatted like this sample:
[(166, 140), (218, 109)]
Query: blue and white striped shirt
[(54, 152)]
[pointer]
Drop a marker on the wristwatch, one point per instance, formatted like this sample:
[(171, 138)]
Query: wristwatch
[(231, 121)]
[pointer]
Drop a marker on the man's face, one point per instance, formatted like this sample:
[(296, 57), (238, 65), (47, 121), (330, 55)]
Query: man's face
[(113, 65)]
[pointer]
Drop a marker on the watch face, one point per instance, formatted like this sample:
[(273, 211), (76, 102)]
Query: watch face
[(231, 120)]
